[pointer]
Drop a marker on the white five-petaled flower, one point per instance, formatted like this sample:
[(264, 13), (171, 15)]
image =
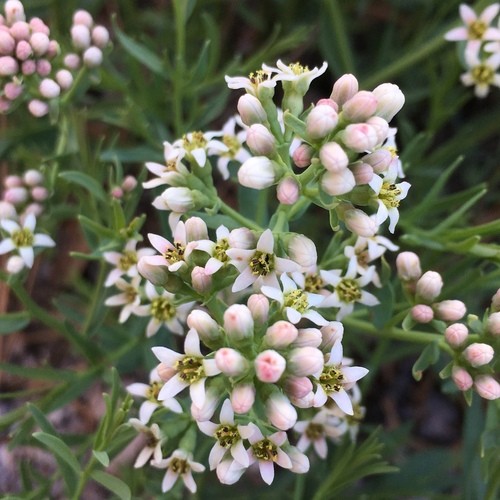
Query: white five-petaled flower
[(348, 289), (229, 437), (163, 311), (172, 173), (191, 369), (266, 451), (196, 144), (150, 392), (129, 297), (260, 266), (153, 442), (476, 28), (481, 73), (336, 379), (300, 75), (23, 239), (295, 301), (254, 84), (179, 464)]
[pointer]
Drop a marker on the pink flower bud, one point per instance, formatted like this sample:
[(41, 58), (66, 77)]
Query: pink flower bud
[(7, 210), (429, 286), (158, 275), (450, 310), (13, 181), (196, 229), (456, 334), (176, 199), (259, 307), (39, 43), (321, 121), (201, 280), (100, 36), (288, 191), (33, 208), (333, 157), (298, 387), (359, 107), (306, 401), (14, 265), (28, 67), (359, 223), (80, 36), (408, 266), (308, 337), (251, 110), (14, 11), (302, 155), (8, 66), (304, 361), (72, 61), (16, 195), (92, 57), (20, 30), (302, 250), (422, 313), (165, 372), (329, 102), (462, 378), (330, 333), (257, 173), (478, 354), (64, 78), (280, 412), (260, 141), (43, 67), (337, 183), (363, 173), (230, 362), (38, 26), (381, 128), (32, 177), (7, 43), (241, 237), (39, 193), (83, 17), (49, 89), (206, 327), (344, 88), (129, 183), (379, 160), (269, 366), (117, 193), (281, 334), (54, 49), (242, 398), (390, 100), (206, 411), (238, 322), (360, 137), (487, 387), (12, 90), (23, 50), (493, 323)]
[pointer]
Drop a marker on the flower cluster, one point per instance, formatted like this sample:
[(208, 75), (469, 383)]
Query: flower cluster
[(481, 47)]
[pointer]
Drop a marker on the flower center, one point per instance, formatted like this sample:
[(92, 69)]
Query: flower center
[(23, 238), (297, 299), (331, 379), (130, 294), (363, 257), (265, 450), (348, 290), (314, 431), (175, 254), (151, 440), (220, 250), (261, 264), (153, 391), (227, 435), (179, 466), (389, 195), (162, 309), (258, 77), (313, 283), (477, 29), (196, 141), (127, 260), (482, 73), (298, 69), (232, 144), (171, 165), (190, 369)]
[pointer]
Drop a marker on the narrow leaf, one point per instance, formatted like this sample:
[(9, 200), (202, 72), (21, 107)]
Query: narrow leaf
[(102, 456), (59, 448), (113, 484), (85, 181), (13, 322)]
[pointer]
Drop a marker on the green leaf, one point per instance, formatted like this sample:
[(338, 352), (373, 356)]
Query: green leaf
[(13, 322), (429, 356), (295, 124), (59, 448), (102, 456), (113, 484), (87, 182)]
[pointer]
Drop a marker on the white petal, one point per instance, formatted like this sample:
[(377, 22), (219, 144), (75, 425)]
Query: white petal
[(200, 156), (143, 457), (166, 355), (321, 447), (283, 460), (293, 315), (266, 242), (27, 255), (146, 410), (353, 373), (266, 471), (197, 392), (216, 454), (208, 428), (239, 453), (6, 246), (168, 480), (227, 413), (273, 293), (30, 222), (43, 240), (189, 481), (171, 388), (315, 317), (343, 401), (210, 367), (173, 405), (244, 280), (192, 343), (138, 389)]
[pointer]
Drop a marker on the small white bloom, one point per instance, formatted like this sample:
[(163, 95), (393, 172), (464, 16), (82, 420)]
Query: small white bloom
[(129, 297), (153, 442), (481, 73), (258, 82), (196, 145)]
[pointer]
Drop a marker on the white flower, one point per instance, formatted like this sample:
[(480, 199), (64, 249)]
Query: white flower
[(191, 369), (216, 250), (153, 442), (229, 437), (336, 379), (481, 73), (259, 266), (130, 298), (179, 464), (295, 301), (258, 82), (300, 75), (150, 392), (196, 144), (23, 239), (172, 173)]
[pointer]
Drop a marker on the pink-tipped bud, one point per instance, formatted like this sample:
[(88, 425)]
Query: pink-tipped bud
[(328, 102), (390, 100), (238, 322), (43, 67), (251, 110), (158, 275), (129, 183), (39, 43), (28, 67), (54, 49), (288, 191), (196, 229), (429, 286), (379, 160), (450, 310), (298, 387), (12, 90), (360, 137), (33, 208), (23, 50), (280, 412), (257, 172), (281, 334), (462, 378), (304, 361), (333, 157), (359, 107), (363, 173), (302, 250), (39, 193), (7, 210), (478, 354), (242, 398), (269, 366), (337, 183), (206, 327), (302, 155), (72, 61), (321, 121), (38, 26), (165, 372), (117, 193), (64, 78), (20, 30), (258, 304), (260, 141), (14, 11), (201, 280), (80, 36), (231, 362), (493, 323), (206, 411), (344, 88), (32, 177), (13, 181), (456, 334), (83, 17), (408, 266), (495, 301), (15, 264), (306, 401), (100, 36), (241, 237), (92, 57), (8, 66), (330, 333), (422, 313), (487, 387), (16, 195), (308, 337), (381, 128), (49, 89), (360, 223), (7, 43)]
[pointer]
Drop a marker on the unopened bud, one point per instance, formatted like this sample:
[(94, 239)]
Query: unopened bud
[(381, 128), (92, 57), (201, 280), (360, 137), (28, 67), (39, 193), (363, 173), (33, 208), (462, 378), (422, 313), (238, 322), (269, 366), (493, 323), (23, 50), (83, 17), (72, 61), (487, 387), (359, 107), (288, 191), (231, 362), (7, 210), (13, 181), (39, 43), (429, 286), (12, 90), (206, 327), (49, 89), (8, 66), (20, 30), (43, 67), (241, 237), (7, 43), (360, 223), (158, 275), (15, 264), (14, 11), (330, 333), (333, 157), (328, 102), (281, 334), (300, 462), (196, 229), (298, 387), (176, 199), (38, 26), (260, 141), (53, 50), (100, 36), (206, 411), (390, 100), (16, 195), (280, 412), (495, 301), (321, 121), (165, 372), (478, 354), (450, 310), (308, 337), (258, 304), (302, 250), (304, 361), (337, 183), (408, 266), (302, 155), (64, 78), (129, 183), (242, 398), (344, 88), (80, 36), (456, 334), (379, 160), (251, 110), (257, 172)]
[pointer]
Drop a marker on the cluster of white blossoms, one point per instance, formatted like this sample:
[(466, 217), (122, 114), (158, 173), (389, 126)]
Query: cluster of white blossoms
[(32, 68), (473, 341), (480, 43), (21, 203)]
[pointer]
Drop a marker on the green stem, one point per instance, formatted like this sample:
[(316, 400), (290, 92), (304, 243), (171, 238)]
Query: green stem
[(82, 481), (227, 210), (96, 298), (281, 219), (180, 52), (300, 483)]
